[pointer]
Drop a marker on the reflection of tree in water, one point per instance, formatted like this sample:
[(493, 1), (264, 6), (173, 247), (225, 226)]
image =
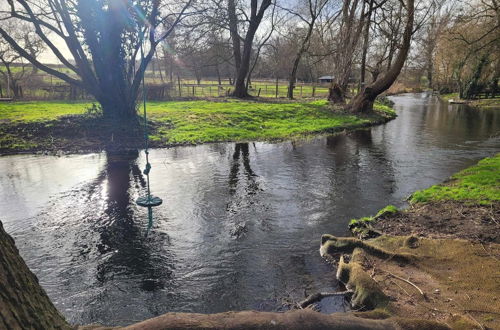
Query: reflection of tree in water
[(241, 150), (357, 161), (242, 186), (122, 232)]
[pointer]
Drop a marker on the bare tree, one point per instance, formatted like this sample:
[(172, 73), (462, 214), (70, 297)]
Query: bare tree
[(13, 68), (308, 16), (242, 57), (347, 40), (104, 39), (363, 101)]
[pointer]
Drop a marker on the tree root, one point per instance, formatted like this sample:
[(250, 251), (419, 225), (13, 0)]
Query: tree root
[(331, 245), (314, 298)]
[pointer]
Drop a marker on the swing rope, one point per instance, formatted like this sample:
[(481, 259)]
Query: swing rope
[(149, 200)]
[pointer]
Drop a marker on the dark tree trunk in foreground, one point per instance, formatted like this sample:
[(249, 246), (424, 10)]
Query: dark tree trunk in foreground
[(363, 101), (23, 302), (242, 59)]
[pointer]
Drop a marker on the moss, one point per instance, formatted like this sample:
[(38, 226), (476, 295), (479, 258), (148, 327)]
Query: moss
[(362, 227), (367, 294), (331, 245), (477, 184), (386, 211)]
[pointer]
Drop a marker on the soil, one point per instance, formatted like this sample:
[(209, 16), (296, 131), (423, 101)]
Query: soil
[(458, 279), (449, 219)]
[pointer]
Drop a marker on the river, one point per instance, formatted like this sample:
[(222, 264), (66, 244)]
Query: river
[(240, 224)]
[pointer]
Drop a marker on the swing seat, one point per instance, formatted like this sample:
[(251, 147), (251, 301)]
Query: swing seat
[(148, 201)]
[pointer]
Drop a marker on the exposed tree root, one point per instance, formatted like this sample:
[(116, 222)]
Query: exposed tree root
[(317, 297)]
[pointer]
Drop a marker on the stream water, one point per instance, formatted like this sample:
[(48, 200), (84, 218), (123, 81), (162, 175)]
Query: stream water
[(240, 224)]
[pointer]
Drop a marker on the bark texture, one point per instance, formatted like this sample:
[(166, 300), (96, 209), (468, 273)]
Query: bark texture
[(23, 302), (305, 319), (242, 60), (363, 101)]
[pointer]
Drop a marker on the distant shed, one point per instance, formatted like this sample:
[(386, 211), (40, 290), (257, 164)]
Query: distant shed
[(325, 79)]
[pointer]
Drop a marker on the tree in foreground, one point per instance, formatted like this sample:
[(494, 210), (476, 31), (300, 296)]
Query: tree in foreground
[(103, 39)]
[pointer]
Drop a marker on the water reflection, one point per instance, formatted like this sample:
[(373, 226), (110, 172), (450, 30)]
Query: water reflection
[(122, 236), (240, 223)]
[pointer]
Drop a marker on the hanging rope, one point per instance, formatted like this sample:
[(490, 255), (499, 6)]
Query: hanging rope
[(149, 200)]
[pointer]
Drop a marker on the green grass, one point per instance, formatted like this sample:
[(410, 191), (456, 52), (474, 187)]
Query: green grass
[(39, 111), (205, 121), (361, 226), (478, 184), (193, 122)]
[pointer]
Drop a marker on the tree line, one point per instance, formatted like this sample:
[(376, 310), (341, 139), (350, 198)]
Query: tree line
[(106, 46)]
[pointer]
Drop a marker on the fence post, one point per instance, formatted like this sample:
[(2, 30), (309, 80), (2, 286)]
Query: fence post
[(276, 87), (314, 91), (301, 91), (258, 94), (193, 90), (179, 84)]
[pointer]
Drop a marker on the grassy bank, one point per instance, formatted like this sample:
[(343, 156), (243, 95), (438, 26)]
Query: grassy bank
[(31, 126), (476, 189), (480, 103), (477, 184), (442, 254)]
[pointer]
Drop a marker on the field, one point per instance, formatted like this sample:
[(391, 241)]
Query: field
[(41, 86)]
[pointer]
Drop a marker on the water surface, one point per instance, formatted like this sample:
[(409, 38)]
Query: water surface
[(240, 224)]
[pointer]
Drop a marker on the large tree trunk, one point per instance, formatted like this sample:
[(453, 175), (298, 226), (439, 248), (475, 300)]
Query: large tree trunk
[(242, 60), (240, 88), (23, 302), (363, 101), (349, 35)]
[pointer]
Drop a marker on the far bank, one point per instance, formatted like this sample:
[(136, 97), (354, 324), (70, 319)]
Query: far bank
[(28, 127)]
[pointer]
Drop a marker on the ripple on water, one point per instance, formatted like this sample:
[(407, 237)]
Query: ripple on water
[(240, 224)]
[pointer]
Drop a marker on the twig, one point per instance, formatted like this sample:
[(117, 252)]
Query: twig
[(479, 311), (489, 253), (401, 288), (406, 281)]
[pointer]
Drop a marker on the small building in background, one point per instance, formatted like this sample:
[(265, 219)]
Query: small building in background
[(325, 79)]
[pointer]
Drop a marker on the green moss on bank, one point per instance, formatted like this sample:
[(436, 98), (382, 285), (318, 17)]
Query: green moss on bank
[(181, 122), (361, 226), (479, 184)]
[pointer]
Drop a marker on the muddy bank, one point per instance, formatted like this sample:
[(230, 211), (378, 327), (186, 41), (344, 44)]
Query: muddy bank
[(437, 260), (451, 281), (445, 219)]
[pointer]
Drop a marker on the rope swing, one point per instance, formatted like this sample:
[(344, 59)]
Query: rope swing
[(149, 200)]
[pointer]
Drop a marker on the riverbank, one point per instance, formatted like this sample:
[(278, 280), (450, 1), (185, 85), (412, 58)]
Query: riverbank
[(72, 127), (479, 103), (440, 257)]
